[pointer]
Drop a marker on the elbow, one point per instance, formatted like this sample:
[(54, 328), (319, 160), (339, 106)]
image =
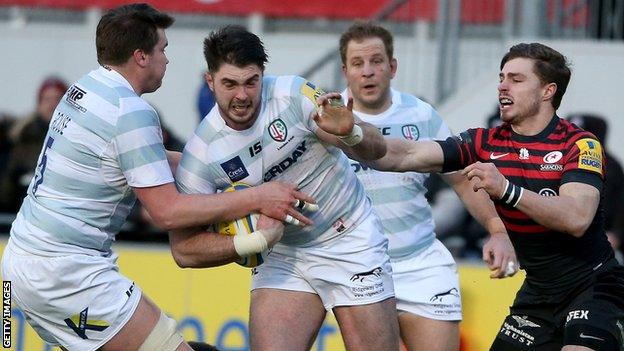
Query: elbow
[(578, 228), (181, 259)]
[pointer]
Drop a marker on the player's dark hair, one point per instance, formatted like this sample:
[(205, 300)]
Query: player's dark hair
[(549, 65), (124, 29), (234, 45), (363, 30)]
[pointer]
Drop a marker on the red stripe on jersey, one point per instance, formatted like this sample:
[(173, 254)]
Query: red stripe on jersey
[(511, 213), (525, 228), (528, 173)]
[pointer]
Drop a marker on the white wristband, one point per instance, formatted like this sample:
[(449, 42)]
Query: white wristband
[(246, 245), (353, 138)]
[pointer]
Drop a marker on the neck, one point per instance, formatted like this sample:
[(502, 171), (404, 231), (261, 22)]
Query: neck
[(130, 75), (533, 125)]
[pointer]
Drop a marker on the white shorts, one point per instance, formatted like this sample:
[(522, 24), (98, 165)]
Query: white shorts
[(350, 269), (428, 284), (77, 301)]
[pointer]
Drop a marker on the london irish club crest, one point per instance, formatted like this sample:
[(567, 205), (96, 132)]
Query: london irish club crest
[(410, 132), (278, 131)]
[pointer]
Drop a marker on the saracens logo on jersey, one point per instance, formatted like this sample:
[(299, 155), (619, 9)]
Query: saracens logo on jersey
[(410, 132), (278, 130)]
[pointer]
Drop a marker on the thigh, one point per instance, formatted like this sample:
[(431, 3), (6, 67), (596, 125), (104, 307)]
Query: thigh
[(369, 327), (77, 301), (284, 320), (595, 319), (427, 285), (425, 334)]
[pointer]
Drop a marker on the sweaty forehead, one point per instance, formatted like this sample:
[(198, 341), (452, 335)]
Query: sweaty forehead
[(365, 47)]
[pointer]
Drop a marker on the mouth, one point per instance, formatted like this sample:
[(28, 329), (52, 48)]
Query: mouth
[(505, 102), (240, 108), (369, 87)]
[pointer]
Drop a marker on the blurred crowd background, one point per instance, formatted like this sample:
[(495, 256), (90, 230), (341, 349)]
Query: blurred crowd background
[(448, 53)]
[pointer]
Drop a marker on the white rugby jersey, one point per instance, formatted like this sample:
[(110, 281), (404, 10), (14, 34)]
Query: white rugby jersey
[(103, 139), (281, 145), (399, 198)]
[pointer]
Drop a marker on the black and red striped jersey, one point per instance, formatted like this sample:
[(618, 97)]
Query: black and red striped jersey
[(561, 153)]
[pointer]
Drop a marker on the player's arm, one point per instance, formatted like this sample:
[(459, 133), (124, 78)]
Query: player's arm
[(338, 126), (198, 248), (571, 212), (171, 209), (498, 252), (404, 155)]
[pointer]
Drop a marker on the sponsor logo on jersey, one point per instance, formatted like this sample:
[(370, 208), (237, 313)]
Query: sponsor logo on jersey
[(284, 164), (590, 155), (523, 154), (357, 167), (310, 91), (494, 156), (410, 132), (551, 167), (74, 95), (278, 130), (80, 324), (517, 335), (547, 192), (453, 292), (59, 123), (235, 169), (553, 157), (524, 322)]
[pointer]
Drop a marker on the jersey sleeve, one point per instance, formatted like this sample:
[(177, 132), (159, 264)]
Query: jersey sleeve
[(192, 174), (459, 151), (585, 163), (140, 151)]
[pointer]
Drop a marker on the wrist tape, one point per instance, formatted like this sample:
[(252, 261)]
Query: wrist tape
[(253, 243), (512, 194), (353, 138)]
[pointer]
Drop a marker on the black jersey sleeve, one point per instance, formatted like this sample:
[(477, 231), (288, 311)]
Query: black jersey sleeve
[(457, 151)]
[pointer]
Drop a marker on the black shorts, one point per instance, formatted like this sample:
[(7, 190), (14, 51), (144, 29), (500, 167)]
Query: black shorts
[(594, 318)]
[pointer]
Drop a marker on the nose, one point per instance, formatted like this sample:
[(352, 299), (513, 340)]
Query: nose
[(368, 70), (502, 86), (241, 93)]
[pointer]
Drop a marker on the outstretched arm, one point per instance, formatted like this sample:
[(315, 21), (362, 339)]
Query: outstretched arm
[(406, 155), (171, 209)]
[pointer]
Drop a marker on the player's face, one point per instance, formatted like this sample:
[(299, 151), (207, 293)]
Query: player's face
[(50, 97), (368, 71), (237, 92), (157, 63), (520, 91)]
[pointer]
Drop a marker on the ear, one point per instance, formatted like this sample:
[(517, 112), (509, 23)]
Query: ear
[(344, 70), (394, 64), (140, 58), (209, 81), (549, 91)]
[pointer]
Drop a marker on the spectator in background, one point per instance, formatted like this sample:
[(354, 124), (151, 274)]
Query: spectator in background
[(6, 122), (205, 100), (26, 137), (614, 180)]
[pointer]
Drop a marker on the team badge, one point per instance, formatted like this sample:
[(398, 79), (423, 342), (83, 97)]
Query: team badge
[(410, 132), (523, 154), (278, 130), (590, 155)]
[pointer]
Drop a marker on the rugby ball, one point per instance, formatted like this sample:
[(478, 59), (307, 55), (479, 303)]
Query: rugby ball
[(243, 226)]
